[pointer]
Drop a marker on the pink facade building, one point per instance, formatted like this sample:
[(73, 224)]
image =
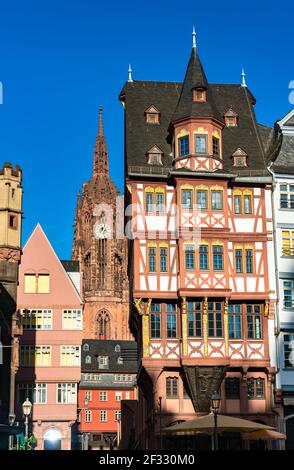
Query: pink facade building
[(50, 348)]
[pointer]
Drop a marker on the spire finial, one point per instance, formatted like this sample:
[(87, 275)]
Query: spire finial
[(130, 74), (243, 82), (100, 129), (194, 38)]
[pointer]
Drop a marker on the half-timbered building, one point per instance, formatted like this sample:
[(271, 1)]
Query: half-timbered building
[(201, 267)]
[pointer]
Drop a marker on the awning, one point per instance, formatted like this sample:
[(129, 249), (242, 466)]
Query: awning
[(224, 423), (264, 434)]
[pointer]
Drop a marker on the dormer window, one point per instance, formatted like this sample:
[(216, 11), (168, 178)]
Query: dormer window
[(152, 115), (231, 118), (88, 359), (199, 94), (154, 156), (240, 158)]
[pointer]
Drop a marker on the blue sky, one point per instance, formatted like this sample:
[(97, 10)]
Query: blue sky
[(60, 59)]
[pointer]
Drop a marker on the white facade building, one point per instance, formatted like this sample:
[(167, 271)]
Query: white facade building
[(282, 344)]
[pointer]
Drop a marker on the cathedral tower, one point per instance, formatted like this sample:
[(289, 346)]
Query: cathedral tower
[(10, 254), (102, 253)]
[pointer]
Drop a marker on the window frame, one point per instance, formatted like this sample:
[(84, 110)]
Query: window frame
[(103, 395), (287, 248), (212, 318), (153, 257), (67, 388), (194, 319), (186, 139), (189, 253), (201, 136), (218, 256), (254, 315), (214, 141), (155, 319), (184, 205), (254, 382), (44, 314), (287, 350), (232, 316), (289, 199), (173, 315), (77, 316), (290, 296), (217, 191), (200, 206), (74, 352), (231, 391), (172, 388)]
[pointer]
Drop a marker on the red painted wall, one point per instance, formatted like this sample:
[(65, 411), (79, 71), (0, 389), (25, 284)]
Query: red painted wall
[(95, 405)]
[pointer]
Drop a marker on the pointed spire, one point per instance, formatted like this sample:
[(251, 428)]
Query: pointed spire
[(243, 81), (130, 74), (100, 164), (195, 78), (194, 38), (100, 128)]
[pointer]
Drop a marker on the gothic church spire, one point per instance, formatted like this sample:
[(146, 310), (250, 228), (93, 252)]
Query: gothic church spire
[(100, 166)]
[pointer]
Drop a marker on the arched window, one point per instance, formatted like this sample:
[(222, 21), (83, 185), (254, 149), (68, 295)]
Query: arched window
[(88, 360), (103, 324), (86, 347), (117, 348)]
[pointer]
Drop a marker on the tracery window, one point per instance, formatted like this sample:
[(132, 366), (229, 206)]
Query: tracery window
[(103, 324)]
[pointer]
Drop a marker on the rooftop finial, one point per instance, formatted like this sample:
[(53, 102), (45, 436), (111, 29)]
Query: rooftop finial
[(100, 129), (130, 74), (194, 38), (243, 82)]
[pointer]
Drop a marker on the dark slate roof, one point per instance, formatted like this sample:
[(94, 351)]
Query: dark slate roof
[(128, 353), (246, 135), (70, 266), (284, 161), (290, 121), (195, 77), (140, 136), (268, 138)]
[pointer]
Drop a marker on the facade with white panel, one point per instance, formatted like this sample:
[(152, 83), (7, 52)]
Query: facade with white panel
[(282, 168)]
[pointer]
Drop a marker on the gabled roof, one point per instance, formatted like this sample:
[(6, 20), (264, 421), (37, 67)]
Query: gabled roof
[(152, 109), (39, 257), (287, 121)]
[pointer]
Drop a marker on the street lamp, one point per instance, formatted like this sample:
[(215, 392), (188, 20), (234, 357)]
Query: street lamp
[(26, 409), (215, 405)]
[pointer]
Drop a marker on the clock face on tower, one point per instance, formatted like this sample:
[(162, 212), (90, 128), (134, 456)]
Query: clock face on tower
[(102, 230)]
